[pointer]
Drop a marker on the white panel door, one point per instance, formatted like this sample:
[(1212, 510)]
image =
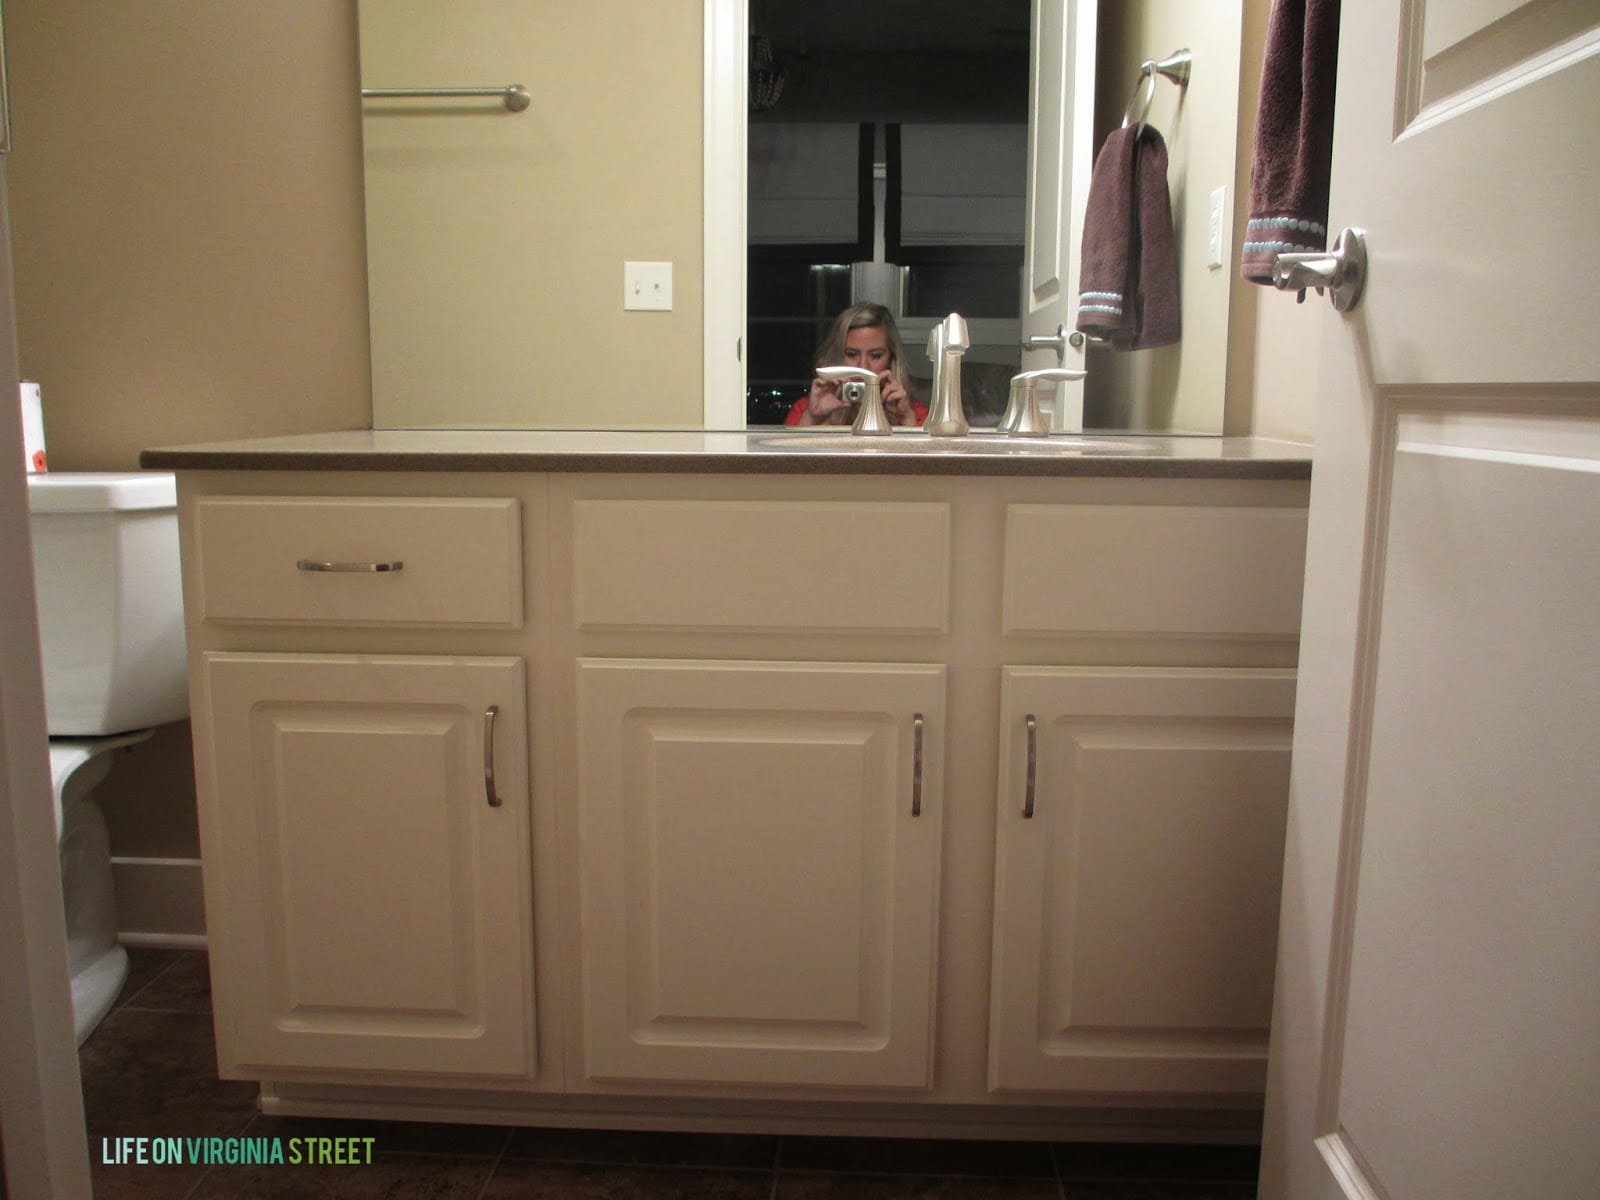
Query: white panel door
[(1060, 141), (368, 901), (1437, 1028), (759, 871)]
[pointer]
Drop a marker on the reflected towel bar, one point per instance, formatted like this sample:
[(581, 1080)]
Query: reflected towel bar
[(515, 95), (1176, 67)]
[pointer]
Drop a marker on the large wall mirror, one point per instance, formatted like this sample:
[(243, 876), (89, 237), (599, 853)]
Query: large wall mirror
[(834, 152)]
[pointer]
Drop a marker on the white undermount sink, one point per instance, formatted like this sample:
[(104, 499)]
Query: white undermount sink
[(972, 443)]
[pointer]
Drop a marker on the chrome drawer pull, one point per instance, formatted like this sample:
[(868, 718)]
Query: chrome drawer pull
[(312, 564), (916, 765), (1033, 762), (488, 755)]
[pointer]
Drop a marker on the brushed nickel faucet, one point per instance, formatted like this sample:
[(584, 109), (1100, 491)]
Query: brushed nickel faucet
[(859, 386), (1023, 418), (946, 344)]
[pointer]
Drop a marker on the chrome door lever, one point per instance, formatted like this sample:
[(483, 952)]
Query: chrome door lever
[(1057, 341), (1342, 271)]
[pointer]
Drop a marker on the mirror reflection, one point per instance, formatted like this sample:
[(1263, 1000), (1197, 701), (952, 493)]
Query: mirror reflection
[(887, 166), (888, 152)]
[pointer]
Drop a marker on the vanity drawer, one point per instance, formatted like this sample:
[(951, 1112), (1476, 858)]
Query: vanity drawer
[(840, 566), (1154, 570), (360, 560)]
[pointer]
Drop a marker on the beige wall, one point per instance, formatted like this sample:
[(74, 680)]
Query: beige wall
[(186, 212), (1253, 343), (149, 802), (1177, 387), (1274, 347), (497, 240)]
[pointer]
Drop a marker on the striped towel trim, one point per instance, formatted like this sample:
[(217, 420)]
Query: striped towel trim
[(1281, 247), (1295, 223), (1109, 303)]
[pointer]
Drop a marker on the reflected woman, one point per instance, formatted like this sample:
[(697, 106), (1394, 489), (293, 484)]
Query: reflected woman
[(863, 335)]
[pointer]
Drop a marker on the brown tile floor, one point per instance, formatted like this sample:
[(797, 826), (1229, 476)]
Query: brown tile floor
[(150, 1070)]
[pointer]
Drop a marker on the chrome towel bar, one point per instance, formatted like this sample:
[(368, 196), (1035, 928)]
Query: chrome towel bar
[(1177, 67), (515, 95)]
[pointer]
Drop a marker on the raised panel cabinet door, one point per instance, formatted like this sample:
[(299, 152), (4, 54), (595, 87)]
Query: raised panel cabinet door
[(368, 898), (1138, 857), (759, 871)]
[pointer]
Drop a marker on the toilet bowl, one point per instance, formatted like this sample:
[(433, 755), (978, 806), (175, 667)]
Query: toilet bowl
[(110, 602)]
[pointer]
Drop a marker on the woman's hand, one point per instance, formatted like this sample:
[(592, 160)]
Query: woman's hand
[(896, 401), (825, 406)]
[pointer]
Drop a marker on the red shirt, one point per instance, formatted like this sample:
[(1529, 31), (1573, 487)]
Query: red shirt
[(798, 410)]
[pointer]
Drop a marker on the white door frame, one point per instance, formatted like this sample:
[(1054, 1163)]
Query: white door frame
[(727, 85), (46, 1150)]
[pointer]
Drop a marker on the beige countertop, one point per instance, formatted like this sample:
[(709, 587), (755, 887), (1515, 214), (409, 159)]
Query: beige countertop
[(766, 451)]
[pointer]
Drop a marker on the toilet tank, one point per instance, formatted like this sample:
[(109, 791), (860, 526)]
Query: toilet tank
[(110, 598)]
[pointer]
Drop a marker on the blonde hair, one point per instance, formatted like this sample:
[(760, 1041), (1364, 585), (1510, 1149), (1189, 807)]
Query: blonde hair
[(864, 316)]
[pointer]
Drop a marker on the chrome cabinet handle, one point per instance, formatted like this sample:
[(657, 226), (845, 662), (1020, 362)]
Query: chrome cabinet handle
[(1342, 270), (488, 755), (1033, 767), (312, 564), (916, 765)]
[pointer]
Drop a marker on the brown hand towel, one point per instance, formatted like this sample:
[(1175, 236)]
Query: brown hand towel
[(1157, 319), (1128, 284), (1294, 136)]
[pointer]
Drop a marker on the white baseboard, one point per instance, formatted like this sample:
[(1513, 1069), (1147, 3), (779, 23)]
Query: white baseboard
[(160, 901)]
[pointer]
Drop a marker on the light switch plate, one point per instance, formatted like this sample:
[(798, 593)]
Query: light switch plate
[(1219, 208), (647, 286)]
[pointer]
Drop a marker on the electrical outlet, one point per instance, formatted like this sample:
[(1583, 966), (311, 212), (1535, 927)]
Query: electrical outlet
[(647, 285), (1219, 206)]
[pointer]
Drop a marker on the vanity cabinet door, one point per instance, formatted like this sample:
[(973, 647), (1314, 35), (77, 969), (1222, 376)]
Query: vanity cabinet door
[(759, 871), (368, 900), (1137, 879)]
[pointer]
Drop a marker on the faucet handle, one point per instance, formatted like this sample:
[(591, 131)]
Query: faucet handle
[(950, 335), (863, 387), (1023, 418)]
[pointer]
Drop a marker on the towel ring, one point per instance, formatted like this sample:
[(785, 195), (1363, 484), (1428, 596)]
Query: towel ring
[(1176, 67)]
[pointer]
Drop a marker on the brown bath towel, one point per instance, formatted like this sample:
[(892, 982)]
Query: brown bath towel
[(1294, 136), (1128, 287)]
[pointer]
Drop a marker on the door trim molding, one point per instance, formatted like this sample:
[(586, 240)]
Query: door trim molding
[(726, 107)]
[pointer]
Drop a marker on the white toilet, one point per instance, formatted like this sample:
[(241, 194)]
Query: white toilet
[(110, 598)]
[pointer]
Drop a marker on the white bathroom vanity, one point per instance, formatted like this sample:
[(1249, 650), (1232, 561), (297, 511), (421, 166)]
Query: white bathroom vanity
[(730, 781)]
